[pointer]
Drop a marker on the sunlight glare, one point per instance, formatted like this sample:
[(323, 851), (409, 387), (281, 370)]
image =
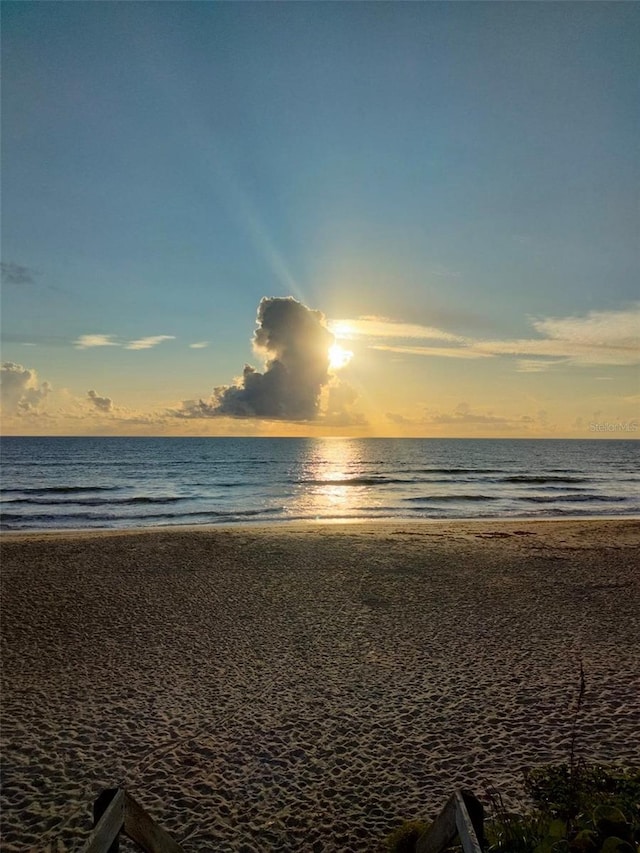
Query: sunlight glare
[(339, 357)]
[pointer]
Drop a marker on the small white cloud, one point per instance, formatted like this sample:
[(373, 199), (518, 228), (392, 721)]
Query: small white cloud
[(86, 341), (533, 365), (147, 343), (199, 345)]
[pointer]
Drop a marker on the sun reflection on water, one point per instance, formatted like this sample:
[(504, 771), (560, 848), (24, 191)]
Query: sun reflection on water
[(326, 487)]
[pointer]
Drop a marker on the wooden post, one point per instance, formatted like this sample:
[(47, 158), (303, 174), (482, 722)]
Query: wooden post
[(108, 820), (141, 828), (462, 816), (475, 810), (115, 811), (441, 832), (464, 824)]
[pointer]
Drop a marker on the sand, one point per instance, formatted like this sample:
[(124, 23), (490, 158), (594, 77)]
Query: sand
[(306, 688)]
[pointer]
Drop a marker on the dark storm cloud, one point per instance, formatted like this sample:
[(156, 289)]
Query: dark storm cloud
[(294, 342), (103, 404)]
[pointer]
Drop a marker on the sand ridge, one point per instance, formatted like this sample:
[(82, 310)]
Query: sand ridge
[(307, 687)]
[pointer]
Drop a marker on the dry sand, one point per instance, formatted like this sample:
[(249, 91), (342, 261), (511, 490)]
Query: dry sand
[(305, 688)]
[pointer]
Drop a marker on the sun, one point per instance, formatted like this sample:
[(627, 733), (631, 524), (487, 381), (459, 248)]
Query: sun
[(339, 357)]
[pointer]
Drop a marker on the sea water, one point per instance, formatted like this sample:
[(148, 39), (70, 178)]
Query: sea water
[(63, 483)]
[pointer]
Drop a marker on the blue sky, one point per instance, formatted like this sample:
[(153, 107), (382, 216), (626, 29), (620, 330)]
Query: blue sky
[(470, 168)]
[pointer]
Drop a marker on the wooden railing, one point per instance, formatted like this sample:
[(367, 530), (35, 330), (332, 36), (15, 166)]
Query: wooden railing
[(463, 817), (114, 812)]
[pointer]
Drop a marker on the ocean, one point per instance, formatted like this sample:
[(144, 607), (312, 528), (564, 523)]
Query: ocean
[(68, 483)]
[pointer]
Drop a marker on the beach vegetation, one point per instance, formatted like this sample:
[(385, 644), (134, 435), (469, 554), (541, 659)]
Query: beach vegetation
[(584, 808), (576, 808), (404, 838)]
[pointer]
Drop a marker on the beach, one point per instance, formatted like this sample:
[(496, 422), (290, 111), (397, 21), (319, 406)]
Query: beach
[(308, 687)]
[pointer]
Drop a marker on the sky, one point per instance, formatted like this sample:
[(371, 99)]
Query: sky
[(385, 219)]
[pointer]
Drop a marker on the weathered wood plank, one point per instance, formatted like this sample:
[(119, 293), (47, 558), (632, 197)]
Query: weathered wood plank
[(106, 830), (441, 832), (465, 827), (476, 813), (455, 820), (141, 828)]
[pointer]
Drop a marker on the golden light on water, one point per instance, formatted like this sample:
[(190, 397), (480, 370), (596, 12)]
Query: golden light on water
[(327, 492), (339, 357)]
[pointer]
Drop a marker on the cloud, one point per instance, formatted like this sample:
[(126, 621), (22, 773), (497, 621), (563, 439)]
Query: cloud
[(585, 353), (338, 411), (16, 274), (442, 352), (598, 328), (599, 338), (402, 420), (86, 341), (103, 404), (535, 365), (147, 343), (199, 345), (294, 342), (458, 417), (383, 327), (20, 391), (468, 419), (194, 409)]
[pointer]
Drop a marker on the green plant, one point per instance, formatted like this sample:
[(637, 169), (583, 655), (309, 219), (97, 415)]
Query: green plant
[(580, 809), (404, 838)]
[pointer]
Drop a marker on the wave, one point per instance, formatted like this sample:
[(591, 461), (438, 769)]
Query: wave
[(543, 478), (355, 481), (11, 519), (459, 470), (57, 490), (446, 498), (96, 501), (573, 498)]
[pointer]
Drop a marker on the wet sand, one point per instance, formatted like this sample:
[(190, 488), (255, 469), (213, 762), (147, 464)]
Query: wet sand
[(308, 687)]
